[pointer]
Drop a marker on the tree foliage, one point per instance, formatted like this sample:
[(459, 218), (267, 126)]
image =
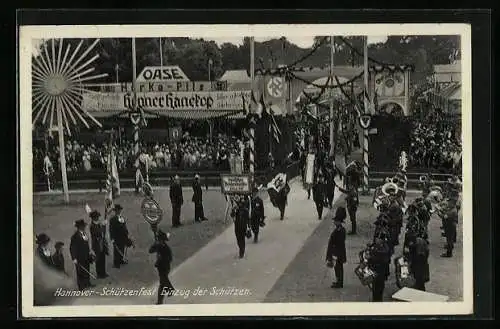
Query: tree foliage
[(193, 55)]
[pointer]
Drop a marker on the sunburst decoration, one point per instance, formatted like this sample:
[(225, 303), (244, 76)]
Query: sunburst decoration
[(58, 84)]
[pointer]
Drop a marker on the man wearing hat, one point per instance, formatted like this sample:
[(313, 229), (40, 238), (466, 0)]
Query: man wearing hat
[(99, 243), (198, 200), (162, 264), (318, 190), (118, 232), (379, 263), (241, 225), (81, 255), (177, 199), (336, 248), (43, 251), (257, 214), (449, 216), (58, 257)]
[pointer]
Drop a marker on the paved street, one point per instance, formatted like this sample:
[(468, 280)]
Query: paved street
[(286, 265)]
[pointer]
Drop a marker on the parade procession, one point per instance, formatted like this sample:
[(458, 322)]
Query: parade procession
[(289, 183)]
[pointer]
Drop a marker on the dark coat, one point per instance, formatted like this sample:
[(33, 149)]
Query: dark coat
[(336, 245), (79, 248), (176, 196), (98, 238), (450, 221), (197, 192), (318, 190), (380, 259), (58, 261), (241, 220), (418, 258), (163, 255), (257, 208), (118, 231)]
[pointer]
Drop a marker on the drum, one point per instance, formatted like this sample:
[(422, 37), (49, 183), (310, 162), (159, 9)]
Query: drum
[(365, 274), (404, 278)]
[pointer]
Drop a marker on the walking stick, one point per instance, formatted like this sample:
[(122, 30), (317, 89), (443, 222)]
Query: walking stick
[(90, 274), (121, 254)]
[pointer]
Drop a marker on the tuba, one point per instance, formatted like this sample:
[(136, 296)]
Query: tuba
[(390, 189), (435, 196)]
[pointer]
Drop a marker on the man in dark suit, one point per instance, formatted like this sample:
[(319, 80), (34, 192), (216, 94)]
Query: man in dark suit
[(319, 195), (379, 263), (81, 255), (162, 264), (199, 214), (177, 199), (241, 226), (99, 243), (336, 248), (118, 232), (418, 256), (449, 217), (257, 215)]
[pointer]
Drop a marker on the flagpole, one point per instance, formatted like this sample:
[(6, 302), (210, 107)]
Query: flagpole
[(62, 154), (332, 54), (134, 86), (252, 128), (161, 55), (366, 186)]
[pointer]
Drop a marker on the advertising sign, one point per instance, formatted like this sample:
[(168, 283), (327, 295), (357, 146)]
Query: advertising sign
[(236, 184), (221, 100), (162, 73), (159, 86)]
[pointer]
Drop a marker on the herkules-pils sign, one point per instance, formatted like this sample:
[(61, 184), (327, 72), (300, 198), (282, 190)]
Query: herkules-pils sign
[(222, 100)]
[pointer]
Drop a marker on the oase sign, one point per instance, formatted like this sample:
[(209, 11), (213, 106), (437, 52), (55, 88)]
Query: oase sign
[(221, 100), (162, 73), (236, 184)]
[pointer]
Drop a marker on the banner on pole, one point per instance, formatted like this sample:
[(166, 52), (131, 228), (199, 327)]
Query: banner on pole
[(236, 184), (310, 168)]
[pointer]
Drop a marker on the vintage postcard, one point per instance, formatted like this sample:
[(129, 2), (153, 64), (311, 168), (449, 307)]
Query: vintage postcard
[(246, 170)]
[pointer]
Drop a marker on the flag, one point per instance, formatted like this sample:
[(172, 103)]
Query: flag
[(112, 179), (273, 127)]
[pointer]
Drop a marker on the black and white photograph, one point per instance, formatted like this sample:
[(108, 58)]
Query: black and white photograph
[(252, 170)]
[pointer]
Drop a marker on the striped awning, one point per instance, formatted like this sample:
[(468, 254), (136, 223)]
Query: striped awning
[(178, 114)]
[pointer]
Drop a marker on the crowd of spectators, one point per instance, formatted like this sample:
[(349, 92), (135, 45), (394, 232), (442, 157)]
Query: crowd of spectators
[(434, 145), (187, 153)]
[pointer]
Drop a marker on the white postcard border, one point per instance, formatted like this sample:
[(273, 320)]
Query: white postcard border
[(28, 33)]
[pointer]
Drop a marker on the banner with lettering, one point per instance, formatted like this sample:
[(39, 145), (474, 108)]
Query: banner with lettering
[(220, 100)]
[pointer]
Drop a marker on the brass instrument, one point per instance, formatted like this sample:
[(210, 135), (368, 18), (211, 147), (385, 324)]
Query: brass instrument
[(390, 189), (435, 196), (404, 278), (424, 179)]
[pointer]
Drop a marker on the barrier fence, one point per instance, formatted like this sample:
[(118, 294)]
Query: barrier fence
[(97, 179)]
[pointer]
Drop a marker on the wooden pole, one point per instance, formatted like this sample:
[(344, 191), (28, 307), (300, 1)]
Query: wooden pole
[(62, 154), (366, 186), (330, 94), (252, 128), (134, 86)]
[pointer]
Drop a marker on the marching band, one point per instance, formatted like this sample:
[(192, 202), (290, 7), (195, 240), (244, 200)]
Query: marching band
[(373, 270)]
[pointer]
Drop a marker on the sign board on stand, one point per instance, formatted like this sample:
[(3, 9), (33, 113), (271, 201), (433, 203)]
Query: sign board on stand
[(236, 184)]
